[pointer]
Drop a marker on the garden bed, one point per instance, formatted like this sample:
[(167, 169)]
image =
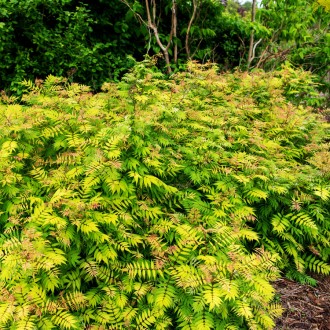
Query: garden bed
[(306, 307)]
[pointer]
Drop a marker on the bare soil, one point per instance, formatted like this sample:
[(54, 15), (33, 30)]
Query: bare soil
[(306, 307)]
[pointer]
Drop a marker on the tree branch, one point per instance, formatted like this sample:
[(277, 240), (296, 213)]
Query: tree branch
[(253, 18), (192, 18)]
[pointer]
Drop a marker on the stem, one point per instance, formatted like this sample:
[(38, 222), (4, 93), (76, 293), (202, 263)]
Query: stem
[(189, 28), (253, 18), (174, 27), (153, 26)]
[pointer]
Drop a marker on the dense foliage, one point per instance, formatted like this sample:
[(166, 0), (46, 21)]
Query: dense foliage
[(89, 41), (294, 30), (160, 204)]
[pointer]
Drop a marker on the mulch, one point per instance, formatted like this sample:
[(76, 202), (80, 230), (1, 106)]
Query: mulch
[(306, 307)]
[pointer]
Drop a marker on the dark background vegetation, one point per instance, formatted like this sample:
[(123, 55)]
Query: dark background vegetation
[(96, 41)]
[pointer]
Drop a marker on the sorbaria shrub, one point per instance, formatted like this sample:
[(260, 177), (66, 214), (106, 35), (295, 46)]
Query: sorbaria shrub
[(159, 204)]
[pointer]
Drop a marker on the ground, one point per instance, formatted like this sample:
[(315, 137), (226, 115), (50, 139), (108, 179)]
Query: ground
[(306, 307)]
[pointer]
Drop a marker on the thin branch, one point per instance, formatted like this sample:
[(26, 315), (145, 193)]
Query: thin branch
[(154, 11), (152, 25), (197, 48), (174, 27), (253, 18), (189, 28), (140, 19), (254, 49), (148, 14)]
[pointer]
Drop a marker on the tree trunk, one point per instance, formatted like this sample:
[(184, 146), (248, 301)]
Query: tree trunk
[(174, 27), (152, 24), (189, 28), (253, 18)]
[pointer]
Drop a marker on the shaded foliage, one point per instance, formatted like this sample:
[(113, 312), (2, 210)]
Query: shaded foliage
[(91, 42), (82, 40)]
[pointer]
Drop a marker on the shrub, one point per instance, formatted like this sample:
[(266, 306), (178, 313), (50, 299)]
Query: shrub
[(87, 41), (161, 204)]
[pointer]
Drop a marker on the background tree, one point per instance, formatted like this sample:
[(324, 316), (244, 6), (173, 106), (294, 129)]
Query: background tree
[(294, 31), (92, 41), (152, 21)]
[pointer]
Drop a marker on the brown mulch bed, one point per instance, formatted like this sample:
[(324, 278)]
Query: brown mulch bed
[(306, 307)]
